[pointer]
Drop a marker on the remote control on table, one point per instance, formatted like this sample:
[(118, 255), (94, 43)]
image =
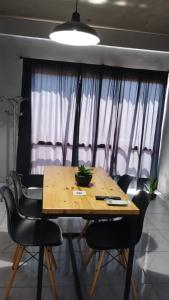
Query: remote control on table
[(116, 202), (107, 197)]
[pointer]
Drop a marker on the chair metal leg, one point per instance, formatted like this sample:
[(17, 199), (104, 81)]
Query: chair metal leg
[(50, 272), (96, 275), (129, 273), (19, 251)]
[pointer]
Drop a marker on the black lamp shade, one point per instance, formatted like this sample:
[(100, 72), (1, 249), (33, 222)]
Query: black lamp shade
[(75, 33)]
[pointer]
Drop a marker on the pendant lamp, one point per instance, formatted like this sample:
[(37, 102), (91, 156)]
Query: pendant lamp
[(74, 32)]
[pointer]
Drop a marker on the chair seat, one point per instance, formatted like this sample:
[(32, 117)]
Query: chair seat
[(31, 232), (33, 193), (33, 208), (108, 235)]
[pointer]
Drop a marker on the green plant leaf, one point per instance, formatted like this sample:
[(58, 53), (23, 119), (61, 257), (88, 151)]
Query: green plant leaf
[(83, 171), (152, 185)]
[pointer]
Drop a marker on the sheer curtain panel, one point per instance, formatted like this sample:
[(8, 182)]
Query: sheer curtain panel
[(88, 116), (53, 103)]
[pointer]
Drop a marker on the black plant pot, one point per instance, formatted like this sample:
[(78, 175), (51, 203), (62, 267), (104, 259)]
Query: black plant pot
[(83, 180)]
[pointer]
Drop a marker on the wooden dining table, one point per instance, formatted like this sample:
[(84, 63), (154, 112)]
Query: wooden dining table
[(62, 197)]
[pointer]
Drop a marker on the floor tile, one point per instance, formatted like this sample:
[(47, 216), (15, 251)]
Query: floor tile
[(159, 221), (164, 234), (64, 293), (152, 240), (116, 291), (150, 267), (155, 265), (71, 224), (162, 291), (6, 244), (158, 206), (147, 292)]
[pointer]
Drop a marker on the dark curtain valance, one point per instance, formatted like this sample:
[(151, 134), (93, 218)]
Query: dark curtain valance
[(108, 70)]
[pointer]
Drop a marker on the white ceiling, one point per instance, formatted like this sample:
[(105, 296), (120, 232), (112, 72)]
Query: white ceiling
[(144, 15), (127, 23)]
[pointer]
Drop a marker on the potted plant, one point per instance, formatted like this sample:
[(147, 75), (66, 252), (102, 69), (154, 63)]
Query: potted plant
[(83, 176), (152, 187)]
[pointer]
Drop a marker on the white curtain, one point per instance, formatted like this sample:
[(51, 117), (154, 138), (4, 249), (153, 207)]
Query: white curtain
[(118, 124), (88, 115), (53, 104), (127, 123)]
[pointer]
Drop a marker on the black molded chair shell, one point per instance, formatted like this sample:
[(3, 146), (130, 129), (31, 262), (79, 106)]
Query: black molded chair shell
[(16, 182), (118, 234), (108, 235), (124, 182), (29, 232), (27, 206), (38, 233), (30, 207)]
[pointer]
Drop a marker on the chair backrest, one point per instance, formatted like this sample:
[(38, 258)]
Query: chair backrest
[(15, 179), (141, 200), (13, 217), (124, 182)]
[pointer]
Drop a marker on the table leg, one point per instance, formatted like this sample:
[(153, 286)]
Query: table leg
[(40, 273), (74, 267), (129, 273)]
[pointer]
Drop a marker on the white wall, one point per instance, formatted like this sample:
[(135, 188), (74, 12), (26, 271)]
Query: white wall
[(12, 47), (163, 185)]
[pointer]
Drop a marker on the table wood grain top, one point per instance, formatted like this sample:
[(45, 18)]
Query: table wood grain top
[(59, 184)]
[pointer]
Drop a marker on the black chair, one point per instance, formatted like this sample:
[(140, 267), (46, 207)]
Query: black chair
[(27, 206), (123, 182), (29, 232), (109, 235)]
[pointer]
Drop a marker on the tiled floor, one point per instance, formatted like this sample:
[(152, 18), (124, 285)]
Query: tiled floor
[(151, 265)]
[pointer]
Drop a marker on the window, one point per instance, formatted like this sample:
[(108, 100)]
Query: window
[(102, 116)]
